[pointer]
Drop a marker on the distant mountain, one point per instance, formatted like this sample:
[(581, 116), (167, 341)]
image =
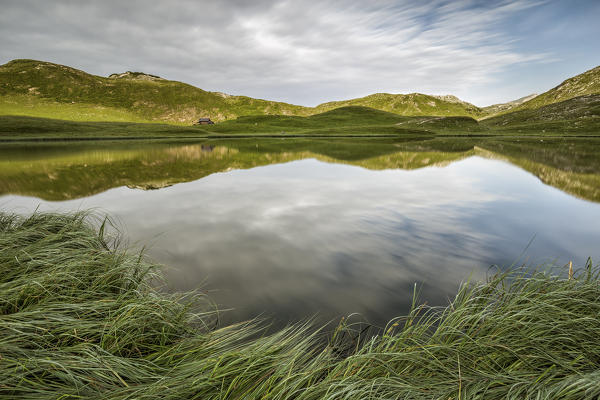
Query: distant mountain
[(43, 89), (580, 85), (505, 107), (413, 104)]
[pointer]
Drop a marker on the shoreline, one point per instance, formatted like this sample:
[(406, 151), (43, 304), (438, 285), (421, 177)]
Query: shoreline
[(81, 319), (142, 138)]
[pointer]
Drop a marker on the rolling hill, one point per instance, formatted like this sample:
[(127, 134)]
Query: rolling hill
[(43, 89), (579, 85), (579, 114), (413, 104), (344, 121), (506, 107), (30, 88)]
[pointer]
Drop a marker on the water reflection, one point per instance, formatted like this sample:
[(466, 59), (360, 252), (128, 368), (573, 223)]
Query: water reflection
[(301, 235), (68, 171)]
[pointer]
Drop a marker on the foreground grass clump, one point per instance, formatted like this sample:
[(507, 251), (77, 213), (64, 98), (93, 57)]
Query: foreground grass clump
[(79, 318)]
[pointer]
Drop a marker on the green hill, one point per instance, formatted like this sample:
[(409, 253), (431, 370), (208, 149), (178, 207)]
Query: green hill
[(351, 120), (495, 109), (414, 104), (580, 114), (43, 89), (30, 88), (442, 125), (345, 121), (580, 85), (571, 107)]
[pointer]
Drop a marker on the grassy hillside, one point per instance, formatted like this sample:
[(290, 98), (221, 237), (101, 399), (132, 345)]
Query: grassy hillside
[(42, 89), (580, 85), (19, 127), (31, 88), (346, 121), (83, 319), (579, 115), (414, 104), (506, 107), (575, 116), (444, 125), (357, 120)]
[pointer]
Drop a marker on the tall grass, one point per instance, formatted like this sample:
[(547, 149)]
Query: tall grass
[(80, 318)]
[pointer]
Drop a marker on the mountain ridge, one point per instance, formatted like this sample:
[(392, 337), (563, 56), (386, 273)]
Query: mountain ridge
[(28, 87), (48, 90), (42, 89), (411, 104), (586, 83)]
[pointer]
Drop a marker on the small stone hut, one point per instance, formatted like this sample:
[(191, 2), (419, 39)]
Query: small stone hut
[(204, 121)]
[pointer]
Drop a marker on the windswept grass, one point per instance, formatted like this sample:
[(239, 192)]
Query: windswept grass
[(80, 318)]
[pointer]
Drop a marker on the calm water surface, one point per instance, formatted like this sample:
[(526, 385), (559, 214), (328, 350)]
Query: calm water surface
[(290, 229)]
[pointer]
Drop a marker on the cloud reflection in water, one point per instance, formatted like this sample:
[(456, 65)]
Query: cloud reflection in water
[(292, 240)]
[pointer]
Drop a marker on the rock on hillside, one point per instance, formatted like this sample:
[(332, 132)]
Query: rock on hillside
[(135, 75)]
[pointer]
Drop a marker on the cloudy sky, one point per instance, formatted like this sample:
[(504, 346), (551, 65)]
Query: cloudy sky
[(310, 51)]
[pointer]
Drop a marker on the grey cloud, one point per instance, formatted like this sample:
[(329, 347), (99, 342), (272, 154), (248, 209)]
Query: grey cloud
[(302, 52)]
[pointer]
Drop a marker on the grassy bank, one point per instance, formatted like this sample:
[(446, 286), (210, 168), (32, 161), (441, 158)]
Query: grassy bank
[(344, 122), (349, 121), (32, 128), (80, 318)]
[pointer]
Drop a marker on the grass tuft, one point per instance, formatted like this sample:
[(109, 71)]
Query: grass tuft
[(80, 317)]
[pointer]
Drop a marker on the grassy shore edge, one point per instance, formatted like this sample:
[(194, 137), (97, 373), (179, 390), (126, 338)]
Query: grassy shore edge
[(80, 317)]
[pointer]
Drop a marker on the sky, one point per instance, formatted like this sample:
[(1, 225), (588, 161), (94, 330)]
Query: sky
[(312, 51)]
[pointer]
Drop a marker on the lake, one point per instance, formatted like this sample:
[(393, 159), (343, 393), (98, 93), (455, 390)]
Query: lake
[(288, 229)]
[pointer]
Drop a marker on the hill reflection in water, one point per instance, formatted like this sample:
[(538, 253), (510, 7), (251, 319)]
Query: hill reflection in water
[(63, 171), (328, 228)]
